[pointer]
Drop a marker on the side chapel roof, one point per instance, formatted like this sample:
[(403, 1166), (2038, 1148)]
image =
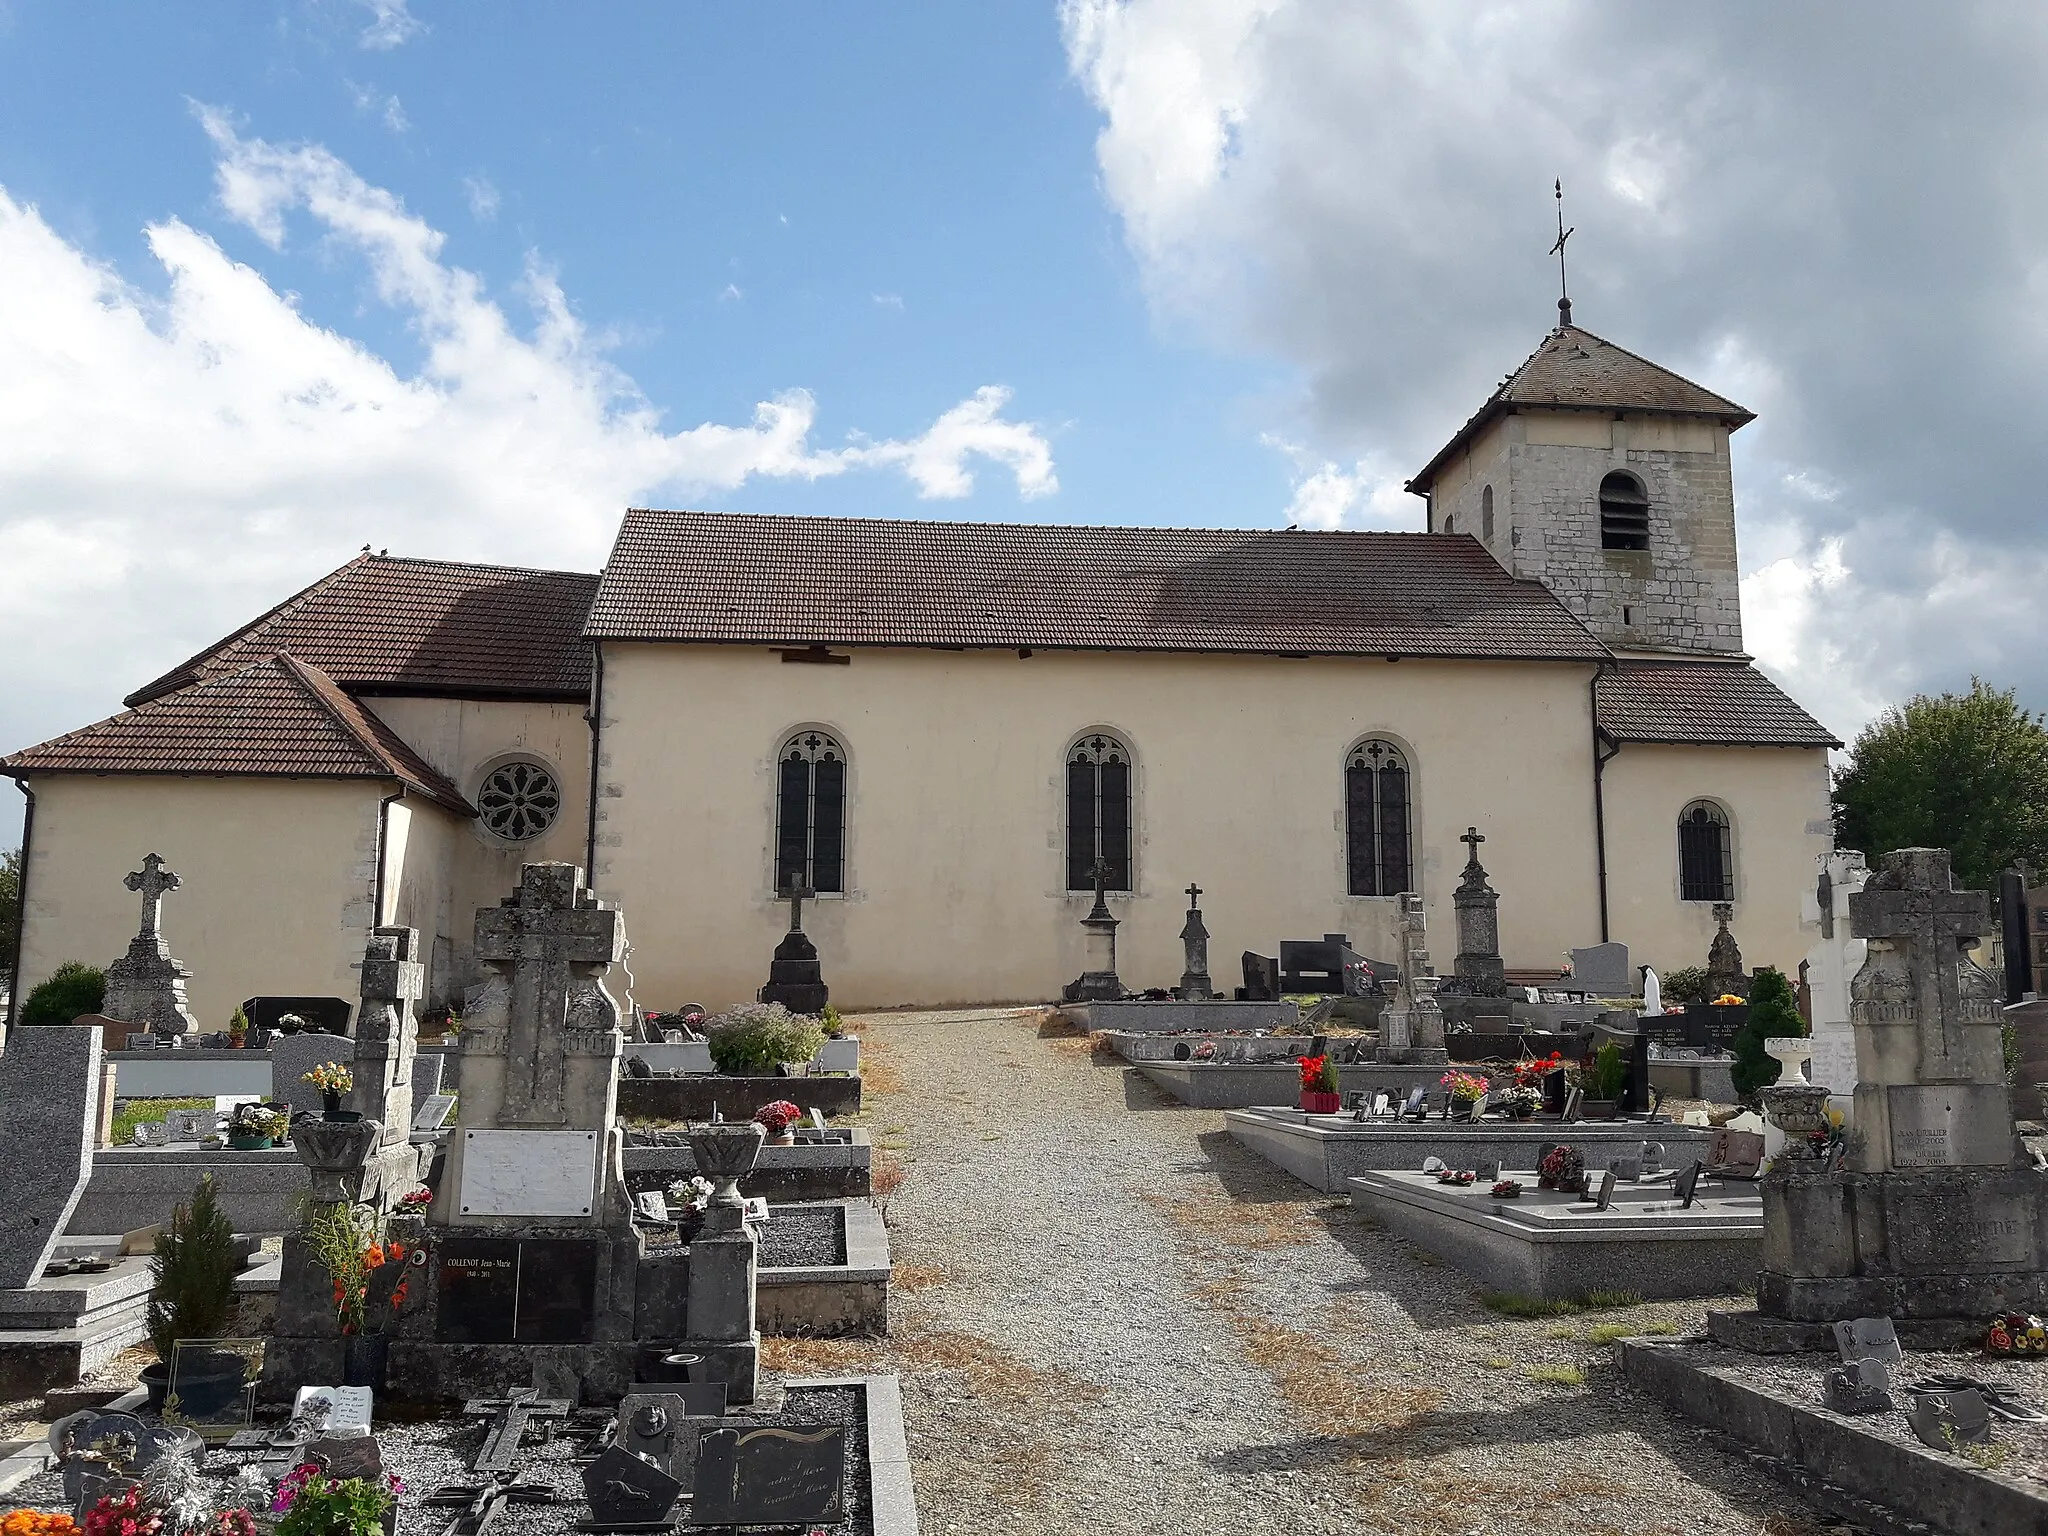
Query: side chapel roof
[(716, 577), (381, 624), (1702, 703), (1574, 370), (275, 718)]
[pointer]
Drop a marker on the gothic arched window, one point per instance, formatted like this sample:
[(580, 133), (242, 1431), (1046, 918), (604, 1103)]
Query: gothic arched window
[(810, 813), (1624, 512), (1376, 801), (1098, 812), (1706, 866)]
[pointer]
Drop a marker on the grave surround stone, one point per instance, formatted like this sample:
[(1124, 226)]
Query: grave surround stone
[(49, 1116), (146, 986)]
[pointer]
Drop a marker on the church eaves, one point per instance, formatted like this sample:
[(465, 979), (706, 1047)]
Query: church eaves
[(275, 718), (381, 624), (715, 577), (1701, 703), (1574, 370)]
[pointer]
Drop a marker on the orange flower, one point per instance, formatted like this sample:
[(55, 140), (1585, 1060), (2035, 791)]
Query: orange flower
[(394, 1251), (374, 1259)]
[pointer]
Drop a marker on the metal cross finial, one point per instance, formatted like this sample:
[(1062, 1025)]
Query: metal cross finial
[(1472, 839), (152, 880), (1194, 894), (1564, 298)]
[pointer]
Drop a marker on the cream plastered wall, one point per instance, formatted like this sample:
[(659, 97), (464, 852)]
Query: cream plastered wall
[(1779, 830), (956, 810), (278, 876), (465, 739), (421, 855)]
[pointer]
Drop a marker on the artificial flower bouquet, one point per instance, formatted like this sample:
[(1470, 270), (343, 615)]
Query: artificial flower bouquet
[(1561, 1168), (1465, 1087), (330, 1077), (310, 1503), (779, 1118)]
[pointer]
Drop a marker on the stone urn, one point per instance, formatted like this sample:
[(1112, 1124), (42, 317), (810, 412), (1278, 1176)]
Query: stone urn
[(1800, 1110), (724, 1151), (335, 1152), (1792, 1053)]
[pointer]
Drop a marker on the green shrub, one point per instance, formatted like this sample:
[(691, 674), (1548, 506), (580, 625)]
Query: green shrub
[(1687, 984), (753, 1039), (192, 1274), (1610, 1074), (73, 988), (1773, 1014)]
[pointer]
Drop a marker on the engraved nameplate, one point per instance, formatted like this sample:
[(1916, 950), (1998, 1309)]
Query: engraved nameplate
[(1960, 1125)]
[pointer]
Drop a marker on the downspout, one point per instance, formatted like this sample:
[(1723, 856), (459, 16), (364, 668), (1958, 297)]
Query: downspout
[(383, 834), (28, 838), (1605, 750), (595, 719)]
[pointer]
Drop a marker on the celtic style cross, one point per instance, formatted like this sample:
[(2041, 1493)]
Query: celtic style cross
[(152, 880)]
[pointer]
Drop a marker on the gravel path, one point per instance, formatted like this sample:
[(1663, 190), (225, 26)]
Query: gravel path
[(1110, 1317)]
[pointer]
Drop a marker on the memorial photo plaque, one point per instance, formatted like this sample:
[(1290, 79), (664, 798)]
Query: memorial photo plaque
[(771, 1476)]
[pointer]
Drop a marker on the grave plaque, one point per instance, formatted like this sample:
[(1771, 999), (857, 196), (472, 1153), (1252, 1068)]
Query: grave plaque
[(658, 1426), (1945, 1420), (49, 1082), (335, 1407), (1688, 1184), (1605, 1196), (346, 1456), (528, 1173), (479, 1290), (627, 1491), (433, 1112), (190, 1124), (701, 1399), (1417, 1101), (1862, 1386), (1868, 1338), (1947, 1230), (771, 1476), (557, 1291), (1950, 1125), (149, 1133)]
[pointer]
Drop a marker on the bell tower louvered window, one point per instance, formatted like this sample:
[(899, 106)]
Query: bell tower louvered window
[(810, 813), (1376, 802), (1706, 865), (1624, 512), (1098, 812)]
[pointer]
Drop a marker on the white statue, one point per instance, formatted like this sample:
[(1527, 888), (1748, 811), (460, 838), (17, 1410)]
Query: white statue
[(1653, 994)]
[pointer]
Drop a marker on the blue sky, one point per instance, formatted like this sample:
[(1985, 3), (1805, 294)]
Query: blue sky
[(281, 279)]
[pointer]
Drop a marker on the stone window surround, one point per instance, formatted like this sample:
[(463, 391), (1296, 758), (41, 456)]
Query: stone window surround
[(777, 748), (491, 765), (1732, 837), (1122, 738), (1343, 840)]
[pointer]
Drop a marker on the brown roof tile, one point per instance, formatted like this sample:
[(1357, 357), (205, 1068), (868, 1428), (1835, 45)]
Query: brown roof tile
[(724, 577), (1714, 704), (1576, 370), (275, 718), (386, 625)]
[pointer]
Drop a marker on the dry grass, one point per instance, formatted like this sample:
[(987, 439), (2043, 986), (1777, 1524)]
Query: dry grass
[(879, 1072), (1217, 1219), (885, 1177), (1078, 1045), (1051, 1024), (913, 1278)]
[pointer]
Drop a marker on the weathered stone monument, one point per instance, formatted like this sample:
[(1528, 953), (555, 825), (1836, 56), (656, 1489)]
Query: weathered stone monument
[(1939, 1214), (146, 986), (1195, 986), (1601, 970), (1725, 974), (1098, 981), (1479, 970), (1830, 964), (796, 977), (49, 1118), (1412, 1026), (386, 1043)]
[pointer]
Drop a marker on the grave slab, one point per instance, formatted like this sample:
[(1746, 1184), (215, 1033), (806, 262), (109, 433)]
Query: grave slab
[(1139, 1048), (1558, 1247), (1246, 1085), (1137, 1017)]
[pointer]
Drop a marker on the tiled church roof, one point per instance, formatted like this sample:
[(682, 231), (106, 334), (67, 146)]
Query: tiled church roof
[(277, 718), (1704, 703), (386, 625), (1575, 370), (725, 577)]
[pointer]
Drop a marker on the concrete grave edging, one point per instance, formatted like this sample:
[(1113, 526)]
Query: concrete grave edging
[(892, 1496)]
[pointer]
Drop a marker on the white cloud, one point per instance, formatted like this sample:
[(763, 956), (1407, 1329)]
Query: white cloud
[(389, 110), (1364, 193), (391, 24), (1327, 495), (170, 465), (887, 300), (731, 293), (482, 196)]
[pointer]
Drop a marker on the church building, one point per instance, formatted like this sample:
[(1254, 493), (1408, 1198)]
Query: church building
[(943, 728)]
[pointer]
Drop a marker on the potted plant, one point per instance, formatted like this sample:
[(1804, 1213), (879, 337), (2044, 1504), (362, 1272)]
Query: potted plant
[(687, 1201), (238, 1031), (370, 1286), (1320, 1091), (251, 1127), (754, 1039), (172, 1500), (290, 1023), (1609, 1082), (1561, 1168), (310, 1503), (191, 1284), (1525, 1097), (333, 1080), (779, 1120), (1468, 1090)]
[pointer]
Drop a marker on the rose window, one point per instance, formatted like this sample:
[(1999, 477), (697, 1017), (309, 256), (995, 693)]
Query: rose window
[(519, 801)]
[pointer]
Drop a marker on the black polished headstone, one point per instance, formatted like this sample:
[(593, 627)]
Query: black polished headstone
[(557, 1291), (1261, 978), (771, 1476), (627, 1491), (479, 1290), (1688, 1184)]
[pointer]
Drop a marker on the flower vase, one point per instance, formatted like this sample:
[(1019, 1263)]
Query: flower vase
[(362, 1360), (786, 1139), (1320, 1103)]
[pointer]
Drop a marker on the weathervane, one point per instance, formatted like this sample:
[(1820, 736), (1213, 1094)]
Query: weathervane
[(1564, 297)]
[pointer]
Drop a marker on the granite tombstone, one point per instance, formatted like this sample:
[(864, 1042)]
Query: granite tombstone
[(49, 1113)]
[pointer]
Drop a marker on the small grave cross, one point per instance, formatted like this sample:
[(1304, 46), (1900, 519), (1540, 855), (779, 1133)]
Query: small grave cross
[(796, 890), (1472, 839), (1194, 894), (482, 1500), (500, 1452), (152, 880)]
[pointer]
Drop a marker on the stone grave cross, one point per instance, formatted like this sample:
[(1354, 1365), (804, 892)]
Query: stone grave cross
[(1478, 965), (1195, 986), (387, 1035), (797, 889), (1472, 839), (152, 880), (555, 939)]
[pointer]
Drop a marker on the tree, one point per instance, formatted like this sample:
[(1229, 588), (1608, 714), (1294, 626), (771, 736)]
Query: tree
[(1966, 772), (1773, 1015), (73, 988), (10, 909), (192, 1274)]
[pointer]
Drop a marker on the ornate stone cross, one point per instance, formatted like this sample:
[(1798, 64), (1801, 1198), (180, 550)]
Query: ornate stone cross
[(1917, 970), (554, 940), (152, 880)]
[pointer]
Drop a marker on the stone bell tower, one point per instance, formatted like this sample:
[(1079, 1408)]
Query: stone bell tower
[(1605, 477)]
